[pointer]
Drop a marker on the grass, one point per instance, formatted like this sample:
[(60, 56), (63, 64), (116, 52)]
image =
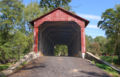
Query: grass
[(22, 65), (2, 75), (4, 66), (107, 69), (109, 60)]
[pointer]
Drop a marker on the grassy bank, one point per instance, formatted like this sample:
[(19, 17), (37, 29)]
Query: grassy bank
[(4, 66), (107, 69), (111, 59)]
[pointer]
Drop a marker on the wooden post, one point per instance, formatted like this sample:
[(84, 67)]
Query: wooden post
[(35, 39), (83, 42)]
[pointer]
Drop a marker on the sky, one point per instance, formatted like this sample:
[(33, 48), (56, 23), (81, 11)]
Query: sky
[(92, 11)]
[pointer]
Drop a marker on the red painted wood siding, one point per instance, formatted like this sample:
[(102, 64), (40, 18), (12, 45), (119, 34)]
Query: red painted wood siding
[(59, 15)]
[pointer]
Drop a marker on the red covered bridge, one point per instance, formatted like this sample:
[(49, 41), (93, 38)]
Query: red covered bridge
[(59, 27)]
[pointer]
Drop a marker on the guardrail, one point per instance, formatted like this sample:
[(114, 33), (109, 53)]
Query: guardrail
[(90, 56)]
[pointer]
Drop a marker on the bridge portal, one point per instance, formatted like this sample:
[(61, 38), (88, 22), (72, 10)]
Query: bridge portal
[(59, 27)]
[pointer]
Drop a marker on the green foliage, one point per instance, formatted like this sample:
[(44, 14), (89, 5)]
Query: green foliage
[(16, 33), (12, 50), (95, 48), (100, 46), (10, 19), (20, 43), (96, 45), (109, 49), (89, 40), (61, 50), (4, 66), (32, 11), (108, 69), (52, 4), (111, 59), (2, 75), (15, 41), (111, 24), (11, 14), (101, 42)]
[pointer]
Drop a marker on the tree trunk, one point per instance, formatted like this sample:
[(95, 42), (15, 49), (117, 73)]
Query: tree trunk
[(112, 58), (19, 53), (118, 58)]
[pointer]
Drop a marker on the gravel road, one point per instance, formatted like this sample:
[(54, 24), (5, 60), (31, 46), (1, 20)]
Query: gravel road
[(50, 66)]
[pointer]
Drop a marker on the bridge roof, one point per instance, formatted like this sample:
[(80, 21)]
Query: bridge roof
[(63, 10)]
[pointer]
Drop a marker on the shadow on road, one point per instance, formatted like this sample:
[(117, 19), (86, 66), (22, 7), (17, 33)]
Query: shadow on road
[(41, 65), (94, 74), (59, 67)]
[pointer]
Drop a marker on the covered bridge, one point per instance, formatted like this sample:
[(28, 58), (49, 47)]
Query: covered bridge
[(59, 27)]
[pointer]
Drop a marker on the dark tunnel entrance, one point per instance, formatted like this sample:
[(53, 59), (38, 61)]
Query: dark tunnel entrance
[(52, 33)]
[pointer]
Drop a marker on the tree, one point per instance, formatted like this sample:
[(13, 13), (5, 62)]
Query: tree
[(16, 34), (89, 41), (52, 4), (32, 11), (109, 50), (61, 50), (11, 15), (20, 43), (10, 19), (95, 48), (111, 24), (102, 42), (96, 45)]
